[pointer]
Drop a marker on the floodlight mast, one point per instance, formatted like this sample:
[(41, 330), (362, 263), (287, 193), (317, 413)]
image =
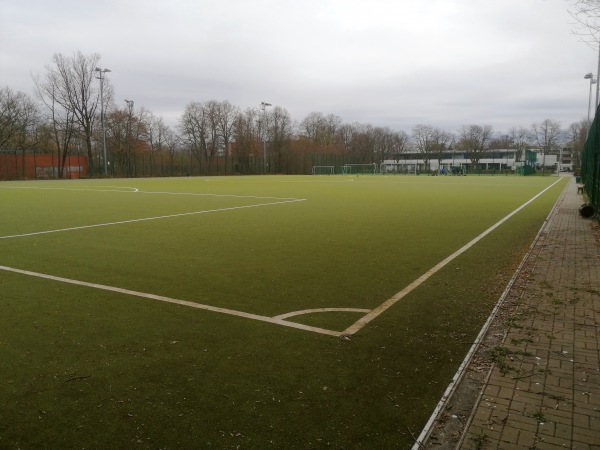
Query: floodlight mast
[(101, 76), (263, 106), (590, 76), (597, 84)]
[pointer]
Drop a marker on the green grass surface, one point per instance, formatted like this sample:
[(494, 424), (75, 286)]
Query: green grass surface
[(94, 369)]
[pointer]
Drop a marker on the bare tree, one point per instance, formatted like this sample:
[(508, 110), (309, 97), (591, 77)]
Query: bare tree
[(400, 144), (127, 132), (172, 142), (388, 144), (576, 137), (246, 134), (441, 141), (519, 138), (312, 125), (321, 129), (423, 137), (19, 119), (157, 139), (345, 135), (474, 140), (194, 131), (227, 114), (362, 145), (213, 149), (280, 131), (69, 83), (61, 123), (137, 136), (208, 129), (117, 132), (547, 137), (587, 16), (19, 115), (587, 26)]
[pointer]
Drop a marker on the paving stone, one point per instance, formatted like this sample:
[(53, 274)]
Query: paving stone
[(559, 315)]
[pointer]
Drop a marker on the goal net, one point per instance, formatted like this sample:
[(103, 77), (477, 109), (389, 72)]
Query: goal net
[(401, 167), (323, 170), (359, 169)]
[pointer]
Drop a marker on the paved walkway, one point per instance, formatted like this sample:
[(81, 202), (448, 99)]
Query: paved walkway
[(544, 389)]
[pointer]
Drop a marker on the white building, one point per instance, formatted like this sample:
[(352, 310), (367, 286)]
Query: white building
[(456, 161)]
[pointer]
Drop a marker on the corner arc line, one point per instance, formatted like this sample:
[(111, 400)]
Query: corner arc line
[(319, 310)]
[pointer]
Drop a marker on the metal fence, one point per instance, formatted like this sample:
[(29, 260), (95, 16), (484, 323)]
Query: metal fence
[(590, 163)]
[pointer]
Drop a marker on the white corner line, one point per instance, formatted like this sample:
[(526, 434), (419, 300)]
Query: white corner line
[(359, 324), (231, 312)]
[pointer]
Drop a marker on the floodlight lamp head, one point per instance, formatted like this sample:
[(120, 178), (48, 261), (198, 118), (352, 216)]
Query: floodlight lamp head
[(588, 76)]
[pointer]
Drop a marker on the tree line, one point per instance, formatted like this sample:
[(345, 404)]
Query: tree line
[(213, 137)]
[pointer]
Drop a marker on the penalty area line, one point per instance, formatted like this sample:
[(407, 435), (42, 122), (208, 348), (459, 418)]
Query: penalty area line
[(360, 323), (161, 298), (144, 219)]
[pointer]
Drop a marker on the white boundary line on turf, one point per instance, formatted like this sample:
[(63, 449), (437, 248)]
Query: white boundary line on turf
[(83, 227), (197, 194), (134, 190), (359, 324), (232, 312), (279, 320), (458, 376), (123, 189)]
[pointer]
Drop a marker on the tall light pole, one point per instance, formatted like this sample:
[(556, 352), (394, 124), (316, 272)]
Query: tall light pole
[(129, 105), (597, 84), (101, 77), (128, 136), (590, 76), (263, 106)]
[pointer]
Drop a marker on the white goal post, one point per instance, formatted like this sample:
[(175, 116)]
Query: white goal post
[(355, 169), (322, 170), (402, 167)]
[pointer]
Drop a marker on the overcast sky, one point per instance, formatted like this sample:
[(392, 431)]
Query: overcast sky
[(394, 63)]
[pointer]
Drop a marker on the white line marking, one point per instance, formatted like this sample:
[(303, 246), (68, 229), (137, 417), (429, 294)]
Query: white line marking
[(123, 189), (359, 324), (273, 320), (83, 227), (320, 310), (460, 372), (219, 195), (279, 320), (130, 190)]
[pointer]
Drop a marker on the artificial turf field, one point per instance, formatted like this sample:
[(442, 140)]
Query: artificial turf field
[(223, 312)]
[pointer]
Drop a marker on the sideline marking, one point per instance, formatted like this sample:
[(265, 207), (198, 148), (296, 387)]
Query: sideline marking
[(231, 312), (460, 372), (83, 227), (360, 323)]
